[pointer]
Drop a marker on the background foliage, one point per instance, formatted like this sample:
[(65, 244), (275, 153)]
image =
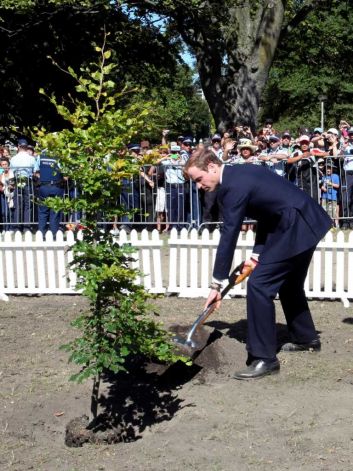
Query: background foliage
[(313, 58), (147, 57)]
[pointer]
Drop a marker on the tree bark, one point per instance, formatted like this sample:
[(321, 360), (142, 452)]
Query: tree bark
[(233, 84), (234, 43)]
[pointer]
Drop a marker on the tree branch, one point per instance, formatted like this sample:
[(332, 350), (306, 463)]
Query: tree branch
[(300, 16)]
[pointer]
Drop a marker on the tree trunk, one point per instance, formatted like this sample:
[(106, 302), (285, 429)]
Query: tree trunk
[(233, 73)]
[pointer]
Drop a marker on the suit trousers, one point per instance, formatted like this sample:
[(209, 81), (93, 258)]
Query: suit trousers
[(287, 279)]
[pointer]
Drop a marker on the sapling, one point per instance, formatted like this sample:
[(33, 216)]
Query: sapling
[(91, 151)]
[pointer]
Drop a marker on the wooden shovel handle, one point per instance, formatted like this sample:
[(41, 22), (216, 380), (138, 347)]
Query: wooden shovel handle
[(245, 273)]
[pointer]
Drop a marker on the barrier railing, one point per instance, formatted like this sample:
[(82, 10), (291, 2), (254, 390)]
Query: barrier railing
[(161, 198), (181, 264)]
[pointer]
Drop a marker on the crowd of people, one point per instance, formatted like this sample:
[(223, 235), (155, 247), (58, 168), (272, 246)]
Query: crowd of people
[(319, 162)]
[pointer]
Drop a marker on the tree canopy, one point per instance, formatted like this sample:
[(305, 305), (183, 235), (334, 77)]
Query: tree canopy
[(234, 44), (34, 36), (314, 61)]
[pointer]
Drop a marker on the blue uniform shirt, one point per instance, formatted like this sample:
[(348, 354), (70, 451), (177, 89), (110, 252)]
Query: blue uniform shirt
[(49, 170)]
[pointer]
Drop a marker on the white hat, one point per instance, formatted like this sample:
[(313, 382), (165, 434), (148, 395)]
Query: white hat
[(247, 144), (333, 131), (304, 137)]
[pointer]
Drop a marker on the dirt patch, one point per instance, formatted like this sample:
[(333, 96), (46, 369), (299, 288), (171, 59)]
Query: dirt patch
[(177, 418)]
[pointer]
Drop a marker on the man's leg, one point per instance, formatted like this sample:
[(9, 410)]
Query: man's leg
[(262, 288), (263, 285), (295, 306)]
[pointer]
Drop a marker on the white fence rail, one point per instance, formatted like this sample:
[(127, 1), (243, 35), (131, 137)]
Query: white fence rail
[(181, 264)]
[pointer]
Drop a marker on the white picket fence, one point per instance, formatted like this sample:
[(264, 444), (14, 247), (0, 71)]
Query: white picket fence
[(181, 264)]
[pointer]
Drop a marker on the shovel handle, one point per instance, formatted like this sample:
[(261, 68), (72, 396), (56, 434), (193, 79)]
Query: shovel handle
[(234, 279)]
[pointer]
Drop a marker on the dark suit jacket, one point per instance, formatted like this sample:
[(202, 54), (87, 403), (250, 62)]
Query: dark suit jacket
[(289, 221)]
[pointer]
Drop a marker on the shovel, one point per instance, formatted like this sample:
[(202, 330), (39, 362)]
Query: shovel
[(188, 344)]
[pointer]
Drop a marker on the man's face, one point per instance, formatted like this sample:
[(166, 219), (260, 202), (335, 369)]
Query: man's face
[(350, 136), (286, 140), (274, 144), (206, 180), (245, 152), (216, 144), (4, 165)]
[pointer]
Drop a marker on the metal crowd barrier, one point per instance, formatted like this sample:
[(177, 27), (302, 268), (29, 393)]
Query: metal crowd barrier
[(161, 197)]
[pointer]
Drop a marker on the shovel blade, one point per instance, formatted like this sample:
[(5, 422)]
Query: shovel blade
[(195, 344)]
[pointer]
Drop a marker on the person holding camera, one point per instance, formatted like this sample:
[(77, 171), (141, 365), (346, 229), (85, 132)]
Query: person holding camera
[(347, 189)]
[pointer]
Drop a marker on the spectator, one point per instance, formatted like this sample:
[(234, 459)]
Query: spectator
[(275, 156), (332, 141), (329, 191), (286, 142), (306, 177), (144, 147), (23, 166), (130, 193), (158, 175), (175, 181), (191, 196), (347, 191), (229, 150), (216, 146), (343, 127), (246, 151), (7, 187)]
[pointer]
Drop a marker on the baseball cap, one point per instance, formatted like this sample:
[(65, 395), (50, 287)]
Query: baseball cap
[(216, 137), (303, 138), (333, 131), (320, 130), (133, 146), (286, 134), (350, 130), (22, 142), (187, 140), (274, 138)]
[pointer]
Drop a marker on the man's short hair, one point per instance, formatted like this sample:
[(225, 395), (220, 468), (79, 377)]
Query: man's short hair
[(200, 159)]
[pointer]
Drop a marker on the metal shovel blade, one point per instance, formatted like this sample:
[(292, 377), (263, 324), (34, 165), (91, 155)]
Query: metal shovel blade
[(189, 345)]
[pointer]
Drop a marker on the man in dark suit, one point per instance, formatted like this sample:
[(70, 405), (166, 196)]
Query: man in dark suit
[(289, 226)]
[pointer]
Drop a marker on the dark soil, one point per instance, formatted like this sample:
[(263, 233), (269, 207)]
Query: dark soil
[(158, 418)]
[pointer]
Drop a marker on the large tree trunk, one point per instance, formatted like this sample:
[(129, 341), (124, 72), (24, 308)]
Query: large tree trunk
[(234, 73)]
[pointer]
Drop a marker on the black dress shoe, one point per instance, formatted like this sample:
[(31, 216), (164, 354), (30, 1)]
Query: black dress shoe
[(257, 369), (313, 346)]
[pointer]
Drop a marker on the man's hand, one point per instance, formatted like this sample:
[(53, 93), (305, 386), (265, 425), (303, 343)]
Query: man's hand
[(251, 263), (214, 295)]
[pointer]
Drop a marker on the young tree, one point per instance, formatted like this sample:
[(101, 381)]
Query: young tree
[(91, 150)]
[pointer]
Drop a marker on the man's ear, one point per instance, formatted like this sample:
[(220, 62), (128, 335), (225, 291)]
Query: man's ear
[(210, 167)]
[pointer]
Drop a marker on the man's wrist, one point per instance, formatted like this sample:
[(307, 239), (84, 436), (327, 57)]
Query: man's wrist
[(216, 286)]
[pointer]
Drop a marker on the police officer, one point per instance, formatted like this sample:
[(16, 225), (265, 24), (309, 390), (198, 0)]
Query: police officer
[(51, 184)]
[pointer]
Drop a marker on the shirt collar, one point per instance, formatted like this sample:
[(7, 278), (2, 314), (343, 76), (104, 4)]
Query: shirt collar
[(221, 174)]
